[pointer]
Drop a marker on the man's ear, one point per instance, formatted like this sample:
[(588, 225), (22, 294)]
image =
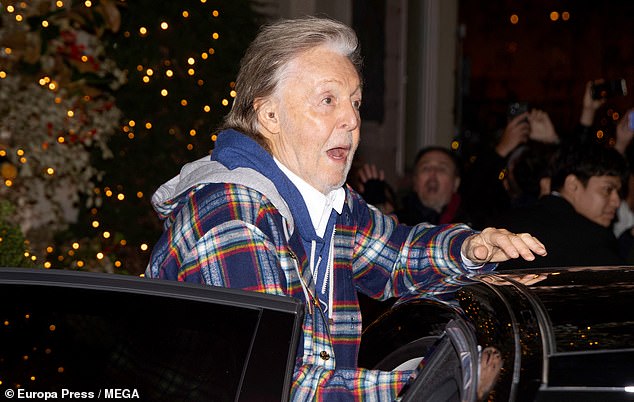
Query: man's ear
[(571, 184), (267, 114)]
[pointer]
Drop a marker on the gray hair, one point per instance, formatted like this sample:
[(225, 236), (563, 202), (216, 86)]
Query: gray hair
[(267, 57)]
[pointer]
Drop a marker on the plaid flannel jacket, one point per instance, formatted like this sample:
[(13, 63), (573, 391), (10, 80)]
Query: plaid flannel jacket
[(233, 236)]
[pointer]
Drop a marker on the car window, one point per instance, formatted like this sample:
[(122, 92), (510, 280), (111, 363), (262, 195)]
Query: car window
[(161, 348)]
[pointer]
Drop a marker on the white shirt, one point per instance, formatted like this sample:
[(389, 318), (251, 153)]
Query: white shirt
[(319, 206)]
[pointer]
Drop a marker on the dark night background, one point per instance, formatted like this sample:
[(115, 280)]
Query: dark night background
[(546, 63)]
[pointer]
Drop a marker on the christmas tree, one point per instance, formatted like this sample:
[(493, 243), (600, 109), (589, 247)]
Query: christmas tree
[(113, 98)]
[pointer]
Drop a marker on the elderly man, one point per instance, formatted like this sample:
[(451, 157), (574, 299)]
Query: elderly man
[(268, 211)]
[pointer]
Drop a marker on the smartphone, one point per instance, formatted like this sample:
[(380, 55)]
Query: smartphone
[(630, 122), (516, 108), (608, 89)]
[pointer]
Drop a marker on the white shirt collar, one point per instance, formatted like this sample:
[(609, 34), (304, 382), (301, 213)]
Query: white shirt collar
[(319, 205)]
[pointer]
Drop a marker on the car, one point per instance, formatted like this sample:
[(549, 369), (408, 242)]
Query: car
[(563, 334)]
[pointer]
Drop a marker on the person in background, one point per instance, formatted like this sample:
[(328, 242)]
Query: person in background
[(527, 177), (623, 225), (434, 197), (574, 220), (489, 174), (269, 211)]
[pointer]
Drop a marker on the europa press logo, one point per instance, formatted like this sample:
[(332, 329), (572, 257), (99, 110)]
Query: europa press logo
[(64, 393)]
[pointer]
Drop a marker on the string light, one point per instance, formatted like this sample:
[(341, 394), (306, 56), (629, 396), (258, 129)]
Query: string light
[(166, 69)]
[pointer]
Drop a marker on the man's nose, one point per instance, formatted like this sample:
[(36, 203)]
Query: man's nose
[(615, 199), (349, 116)]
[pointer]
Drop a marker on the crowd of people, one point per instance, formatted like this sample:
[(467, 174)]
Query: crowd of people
[(270, 210), (571, 191)]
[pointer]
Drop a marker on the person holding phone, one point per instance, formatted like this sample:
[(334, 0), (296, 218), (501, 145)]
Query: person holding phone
[(488, 173)]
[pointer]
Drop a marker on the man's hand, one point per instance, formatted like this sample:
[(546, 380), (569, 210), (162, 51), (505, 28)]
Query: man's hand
[(542, 128), (515, 133), (369, 172), (590, 105), (497, 245)]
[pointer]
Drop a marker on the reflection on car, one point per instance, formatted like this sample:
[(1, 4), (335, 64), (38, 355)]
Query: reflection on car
[(563, 334)]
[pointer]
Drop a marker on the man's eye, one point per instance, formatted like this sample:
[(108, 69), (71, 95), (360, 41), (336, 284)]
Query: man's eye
[(327, 101), (356, 104)]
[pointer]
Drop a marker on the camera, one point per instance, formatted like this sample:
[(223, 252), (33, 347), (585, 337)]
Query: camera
[(608, 89)]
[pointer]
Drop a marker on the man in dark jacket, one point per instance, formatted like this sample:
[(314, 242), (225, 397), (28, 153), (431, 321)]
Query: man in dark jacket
[(574, 220)]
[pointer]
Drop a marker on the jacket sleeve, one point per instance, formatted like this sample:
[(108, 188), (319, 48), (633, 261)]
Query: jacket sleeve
[(391, 259)]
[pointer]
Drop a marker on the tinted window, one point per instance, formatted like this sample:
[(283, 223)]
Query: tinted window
[(89, 340)]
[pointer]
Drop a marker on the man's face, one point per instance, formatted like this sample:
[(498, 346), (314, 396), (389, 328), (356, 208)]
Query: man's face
[(435, 180), (317, 105), (598, 200)]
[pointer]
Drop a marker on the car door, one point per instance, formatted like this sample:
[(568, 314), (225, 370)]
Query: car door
[(115, 335)]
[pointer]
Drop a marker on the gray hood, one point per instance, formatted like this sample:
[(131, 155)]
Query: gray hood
[(205, 171)]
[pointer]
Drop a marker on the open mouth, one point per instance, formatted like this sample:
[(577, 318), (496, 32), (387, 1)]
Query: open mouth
[(339, 153)]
